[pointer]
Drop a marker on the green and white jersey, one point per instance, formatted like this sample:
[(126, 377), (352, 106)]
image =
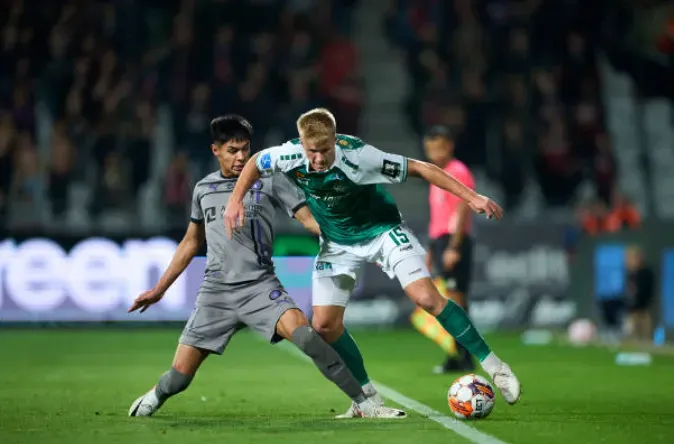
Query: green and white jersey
[(347, 200)]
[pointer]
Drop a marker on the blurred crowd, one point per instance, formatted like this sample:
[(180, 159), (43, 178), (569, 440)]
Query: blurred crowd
[(83, 82), (518, 75), (90, 88)]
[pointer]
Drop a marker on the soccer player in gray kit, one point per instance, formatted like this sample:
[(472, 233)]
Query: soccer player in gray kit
[(240, 287)]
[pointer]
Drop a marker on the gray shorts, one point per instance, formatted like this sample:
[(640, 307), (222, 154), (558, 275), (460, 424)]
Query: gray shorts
[(223, 309)]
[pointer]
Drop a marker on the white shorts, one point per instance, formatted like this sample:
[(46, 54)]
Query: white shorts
[(337, 267)]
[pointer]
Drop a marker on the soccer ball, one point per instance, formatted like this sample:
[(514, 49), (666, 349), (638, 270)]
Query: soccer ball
[(471, 397), (582, 332)]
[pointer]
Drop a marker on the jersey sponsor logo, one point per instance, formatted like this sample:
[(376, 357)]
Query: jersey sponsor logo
[(265, 161), (209, 214), (328, 201), (390, 168), (322, 266), (250, 211)]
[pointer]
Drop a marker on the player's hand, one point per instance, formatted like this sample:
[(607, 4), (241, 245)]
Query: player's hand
[(234, 216), (482, 204), (450, 258), (145, 300)]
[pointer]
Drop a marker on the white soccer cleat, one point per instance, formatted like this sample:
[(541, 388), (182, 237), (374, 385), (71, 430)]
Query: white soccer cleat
[(507, 383), (367, 410), (146, 405), (353, 411), (370, 409)]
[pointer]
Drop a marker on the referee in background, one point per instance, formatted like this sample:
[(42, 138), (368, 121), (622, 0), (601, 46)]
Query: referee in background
[(450, 253)]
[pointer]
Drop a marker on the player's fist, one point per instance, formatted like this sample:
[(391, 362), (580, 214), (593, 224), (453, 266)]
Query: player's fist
[(482, 204), (145, 300), (450, 258), (233, 215)]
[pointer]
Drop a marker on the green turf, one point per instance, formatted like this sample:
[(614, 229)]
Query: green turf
[(75, 386)]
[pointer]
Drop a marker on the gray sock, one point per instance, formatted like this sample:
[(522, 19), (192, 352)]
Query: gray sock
[(171, 383), (328, 361)]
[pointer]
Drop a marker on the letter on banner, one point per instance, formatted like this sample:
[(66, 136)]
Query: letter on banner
[(144, 263), (95, 275), (35, 275)]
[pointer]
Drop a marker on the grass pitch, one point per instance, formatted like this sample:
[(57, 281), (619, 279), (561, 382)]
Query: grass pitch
[(76, 385)]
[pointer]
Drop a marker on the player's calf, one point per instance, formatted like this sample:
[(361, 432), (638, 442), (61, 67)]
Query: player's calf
[(327, 361)]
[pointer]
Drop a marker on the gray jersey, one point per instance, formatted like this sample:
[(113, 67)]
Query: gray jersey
[(247, 256)]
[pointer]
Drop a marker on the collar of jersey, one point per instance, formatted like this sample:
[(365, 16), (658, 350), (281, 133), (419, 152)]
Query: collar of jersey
[(222, 176), (336, 163)]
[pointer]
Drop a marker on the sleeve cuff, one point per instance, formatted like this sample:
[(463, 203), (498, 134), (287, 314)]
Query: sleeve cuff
[(403, 176), (196, 221), (298, 207)]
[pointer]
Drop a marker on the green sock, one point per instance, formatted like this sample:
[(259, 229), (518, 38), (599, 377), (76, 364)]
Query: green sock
[(457, 323), (346, 347)]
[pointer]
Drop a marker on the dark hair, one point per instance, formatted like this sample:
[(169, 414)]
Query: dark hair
[(439, 131), (231, 127)]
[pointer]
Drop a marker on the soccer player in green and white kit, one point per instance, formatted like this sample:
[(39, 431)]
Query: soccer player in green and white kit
[(240, 287), (360, 222)]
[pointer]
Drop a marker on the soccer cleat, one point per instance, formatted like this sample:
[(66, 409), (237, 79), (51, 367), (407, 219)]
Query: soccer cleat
[(370, 409), (507, 383), (146, 405), (355, 411)]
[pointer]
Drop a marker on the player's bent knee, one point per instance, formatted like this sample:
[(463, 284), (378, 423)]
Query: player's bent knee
[(329, 329), (426, 296), (290, 321), (188, 359)]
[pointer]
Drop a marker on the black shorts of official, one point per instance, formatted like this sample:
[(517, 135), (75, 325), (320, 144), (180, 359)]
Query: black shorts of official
[(459, 277)]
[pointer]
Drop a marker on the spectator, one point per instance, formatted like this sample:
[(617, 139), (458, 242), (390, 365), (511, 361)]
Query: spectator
[(113, 186), (7, 136), (639, 293), (28, 186), (177, 189), (60, 171)]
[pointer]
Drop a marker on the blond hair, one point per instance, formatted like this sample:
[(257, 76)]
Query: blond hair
[(317, 125)]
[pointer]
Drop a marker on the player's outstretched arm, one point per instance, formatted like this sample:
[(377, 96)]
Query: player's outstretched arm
[(234, 211), (440, 178), (187, 249), (304, 216)]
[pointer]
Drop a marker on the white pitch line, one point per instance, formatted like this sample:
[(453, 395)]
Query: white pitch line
[(457, 426)]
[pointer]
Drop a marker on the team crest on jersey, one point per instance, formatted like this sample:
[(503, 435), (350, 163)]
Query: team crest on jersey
[(213, 186), (343, 142), (299, 174)]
